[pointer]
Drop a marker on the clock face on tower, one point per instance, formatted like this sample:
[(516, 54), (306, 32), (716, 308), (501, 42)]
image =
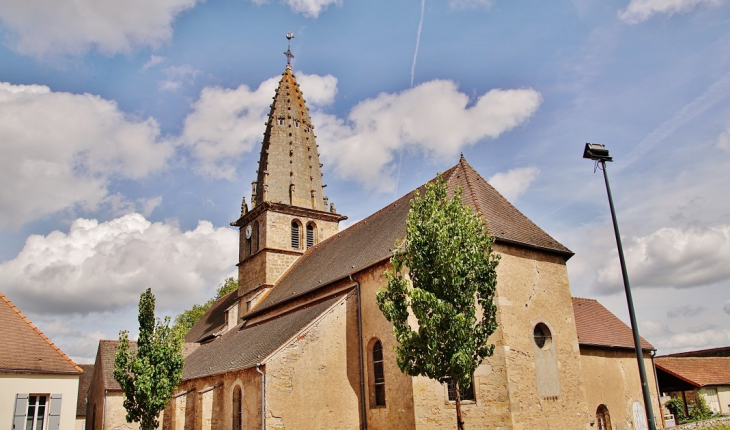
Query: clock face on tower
[(248, 231)]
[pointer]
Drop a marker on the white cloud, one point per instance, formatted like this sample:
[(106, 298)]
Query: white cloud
[(73, 27), (640, 10), (514, 182), (672, 257), (471, 4), (697, 338), (309, 8), (433, 117), (60, 150), (98, 267), (177, 76), (685, 311), (723, 141), (226, 123), (153, 61)]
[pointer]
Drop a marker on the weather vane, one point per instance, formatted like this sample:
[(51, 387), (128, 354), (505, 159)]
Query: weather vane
[(289, 55)]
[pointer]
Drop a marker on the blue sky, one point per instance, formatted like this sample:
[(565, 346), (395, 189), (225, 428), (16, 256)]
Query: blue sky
[(129, 133)]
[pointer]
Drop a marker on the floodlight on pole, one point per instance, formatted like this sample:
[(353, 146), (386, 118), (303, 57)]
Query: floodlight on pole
[(599, 153)]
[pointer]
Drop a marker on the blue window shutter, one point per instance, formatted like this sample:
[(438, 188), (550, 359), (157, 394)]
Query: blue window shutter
[(21, 405), (54, 417)]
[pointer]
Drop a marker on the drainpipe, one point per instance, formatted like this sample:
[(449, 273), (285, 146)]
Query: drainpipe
[(263, 396), (362, 367), (658, 393)]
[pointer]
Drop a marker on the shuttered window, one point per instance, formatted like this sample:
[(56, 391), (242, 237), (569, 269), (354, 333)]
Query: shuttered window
[(295, 235), (379, 374), (310, 236)]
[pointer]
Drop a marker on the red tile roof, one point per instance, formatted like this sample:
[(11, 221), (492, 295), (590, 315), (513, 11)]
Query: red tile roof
[(24, 348), (597, 326), (698, 371)]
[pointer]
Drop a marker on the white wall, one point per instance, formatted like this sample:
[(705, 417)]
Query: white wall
[(14, 383)]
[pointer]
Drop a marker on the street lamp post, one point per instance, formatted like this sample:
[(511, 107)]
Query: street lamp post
[(599, 153)]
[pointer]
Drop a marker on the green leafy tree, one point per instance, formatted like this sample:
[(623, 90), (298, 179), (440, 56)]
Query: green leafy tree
[(448, 255), (149, 376), (187, 319)]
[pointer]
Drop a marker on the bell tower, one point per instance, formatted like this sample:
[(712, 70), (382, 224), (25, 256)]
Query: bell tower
[(289, 212)]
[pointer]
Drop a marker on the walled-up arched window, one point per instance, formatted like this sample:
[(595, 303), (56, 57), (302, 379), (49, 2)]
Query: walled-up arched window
[(311, 235), (295, 242), (237, 408), (378, 374), (603, 419)]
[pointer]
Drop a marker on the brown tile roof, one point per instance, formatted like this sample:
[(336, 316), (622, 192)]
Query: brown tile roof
[(597, 326), (242, 348), (372, 239), (698, 371), (105, 359), (24, 348), (212, 320), (722, 351), (107, 353), (84, 382)]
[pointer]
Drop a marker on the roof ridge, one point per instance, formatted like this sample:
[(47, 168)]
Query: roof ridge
[(32, 326), (462, 163), (583, 298)]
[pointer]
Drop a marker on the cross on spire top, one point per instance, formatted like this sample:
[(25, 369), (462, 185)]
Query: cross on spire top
[(289, 55)]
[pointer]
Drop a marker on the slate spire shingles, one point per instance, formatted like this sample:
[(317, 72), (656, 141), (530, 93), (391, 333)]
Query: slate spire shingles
[(24, 348)]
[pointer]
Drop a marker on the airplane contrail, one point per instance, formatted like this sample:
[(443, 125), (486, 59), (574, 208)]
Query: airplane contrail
[(413, 73)]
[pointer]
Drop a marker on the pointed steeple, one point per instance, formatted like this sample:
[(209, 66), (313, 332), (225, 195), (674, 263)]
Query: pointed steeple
[(289, 168)]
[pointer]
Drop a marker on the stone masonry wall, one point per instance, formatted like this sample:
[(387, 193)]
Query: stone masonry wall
[(612, 378), (545, 384), (206, 409), (313, 382)]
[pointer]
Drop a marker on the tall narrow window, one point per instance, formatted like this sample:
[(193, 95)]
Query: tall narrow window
[(36, 413), (379, 374), (255, 236), (464, 393), (237, 408), (295, 235), (310, 236)]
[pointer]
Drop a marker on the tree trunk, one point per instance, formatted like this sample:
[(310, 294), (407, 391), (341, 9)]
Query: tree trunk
[(459, 421)]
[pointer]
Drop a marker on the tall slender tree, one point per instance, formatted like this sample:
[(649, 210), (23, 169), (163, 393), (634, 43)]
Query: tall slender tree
[(447, 254), (149, 376)]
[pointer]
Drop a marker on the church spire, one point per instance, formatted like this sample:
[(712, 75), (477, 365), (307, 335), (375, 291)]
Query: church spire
[(289, 168)]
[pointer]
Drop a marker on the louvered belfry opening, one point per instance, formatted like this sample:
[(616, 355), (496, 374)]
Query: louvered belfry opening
[(310, 236), (295, 235), (379, 374)]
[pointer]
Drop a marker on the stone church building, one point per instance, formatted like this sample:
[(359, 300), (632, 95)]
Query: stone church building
[(303, 345)]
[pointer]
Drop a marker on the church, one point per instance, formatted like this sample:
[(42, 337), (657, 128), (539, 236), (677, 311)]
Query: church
[(303, 345)]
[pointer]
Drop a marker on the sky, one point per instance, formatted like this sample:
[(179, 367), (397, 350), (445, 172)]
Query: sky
[(130, 131)]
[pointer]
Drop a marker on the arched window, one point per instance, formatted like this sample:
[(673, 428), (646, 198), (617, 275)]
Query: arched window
[(603, 419), (237, 408), (295, 235), (378, 374), (255, 236), (310, 235)]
